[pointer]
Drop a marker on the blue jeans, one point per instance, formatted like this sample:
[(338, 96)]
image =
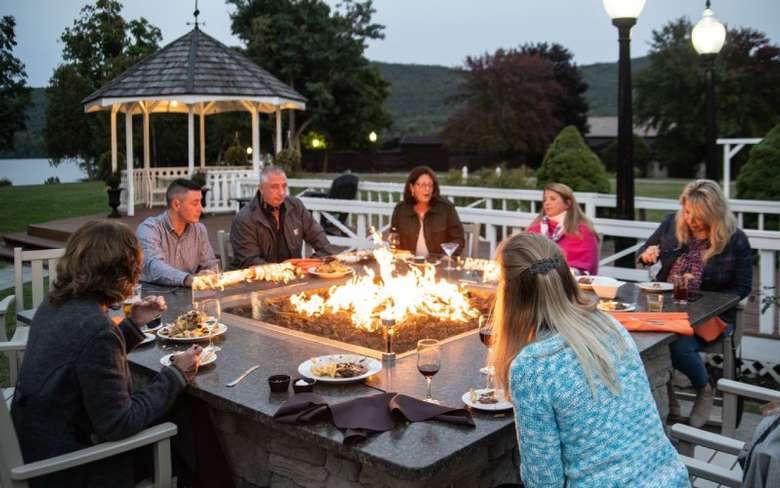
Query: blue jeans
[(686, 359)]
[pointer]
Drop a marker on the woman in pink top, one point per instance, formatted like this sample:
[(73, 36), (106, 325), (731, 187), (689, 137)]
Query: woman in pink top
[(562, 221)]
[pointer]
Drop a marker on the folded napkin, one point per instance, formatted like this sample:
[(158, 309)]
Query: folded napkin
[(676, 322), (362, 416)]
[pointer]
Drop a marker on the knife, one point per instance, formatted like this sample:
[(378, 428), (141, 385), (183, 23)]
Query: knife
[(243, 375)]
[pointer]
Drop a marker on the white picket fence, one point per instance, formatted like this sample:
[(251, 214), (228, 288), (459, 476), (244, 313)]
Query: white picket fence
[(499, 211)]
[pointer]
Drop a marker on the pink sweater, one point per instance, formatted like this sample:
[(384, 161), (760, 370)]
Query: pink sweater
[(581, 252)]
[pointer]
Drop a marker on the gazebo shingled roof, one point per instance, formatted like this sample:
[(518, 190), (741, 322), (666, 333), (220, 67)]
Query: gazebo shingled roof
[(196, 64)]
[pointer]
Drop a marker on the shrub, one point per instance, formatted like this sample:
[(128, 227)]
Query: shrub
[(759, 178), (6, 182), (113, 180), (568, 160), (641, 156), (289, 160), (104, 164), (199, 178), (52, 180), (235, 155)]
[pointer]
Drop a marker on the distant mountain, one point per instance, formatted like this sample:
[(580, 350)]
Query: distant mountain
[(420, 100), (420, 95)]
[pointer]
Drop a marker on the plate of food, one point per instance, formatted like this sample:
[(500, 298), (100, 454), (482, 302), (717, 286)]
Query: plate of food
[(333, 269), (615, 306), (206, 357), (354, 257), (486, 399), (148, 338), (655, 286), (191, 327), (340, 368), (422, 261)]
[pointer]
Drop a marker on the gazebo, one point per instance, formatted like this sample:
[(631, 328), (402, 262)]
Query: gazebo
[(195, 74)]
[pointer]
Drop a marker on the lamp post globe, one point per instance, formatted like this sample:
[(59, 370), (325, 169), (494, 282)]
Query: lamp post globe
[(708, 37), (372, 136)]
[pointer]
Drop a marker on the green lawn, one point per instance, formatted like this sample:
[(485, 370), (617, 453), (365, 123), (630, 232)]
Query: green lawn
[(23, 205)]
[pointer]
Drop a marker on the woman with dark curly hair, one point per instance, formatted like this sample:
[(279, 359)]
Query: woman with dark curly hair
[(74, 385), (424, 220)]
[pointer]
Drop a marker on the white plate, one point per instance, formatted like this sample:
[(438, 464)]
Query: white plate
[(503, 404), (373, 366), (148, 338), (655, 286), (354, 258), (166, 360), (218, 331), (340, 274), (435, 262), (630, 307)]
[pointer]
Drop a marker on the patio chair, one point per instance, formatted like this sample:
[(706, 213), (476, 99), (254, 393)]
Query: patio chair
[(471, 233), (728, 347), (15, 473), (721, 451), (36, 260), (225, 249), (344, 187)]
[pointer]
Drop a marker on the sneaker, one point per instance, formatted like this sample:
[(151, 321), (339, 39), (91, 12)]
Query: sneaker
[(701, 407)]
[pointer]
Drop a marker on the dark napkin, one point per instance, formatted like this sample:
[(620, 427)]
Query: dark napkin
[(360, 417)]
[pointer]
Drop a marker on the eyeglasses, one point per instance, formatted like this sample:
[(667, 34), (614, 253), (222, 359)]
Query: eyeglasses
[(424, 185)]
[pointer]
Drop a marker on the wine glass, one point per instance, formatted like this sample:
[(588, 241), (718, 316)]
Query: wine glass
[(486, 337), (393, 239), (213, 311), (428, 362), (449, 248)]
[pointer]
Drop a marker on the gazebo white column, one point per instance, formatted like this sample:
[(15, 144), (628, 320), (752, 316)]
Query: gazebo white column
[(255, 141), (191, 140), (129, 159), (114, 110), (278, 131), (202, 137), (147, 149)]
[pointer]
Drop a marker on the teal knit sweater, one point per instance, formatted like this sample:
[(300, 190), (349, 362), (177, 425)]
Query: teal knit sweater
[(568, 437)]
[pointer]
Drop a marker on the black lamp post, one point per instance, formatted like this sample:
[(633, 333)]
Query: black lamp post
[(624, 14), (708, 37)]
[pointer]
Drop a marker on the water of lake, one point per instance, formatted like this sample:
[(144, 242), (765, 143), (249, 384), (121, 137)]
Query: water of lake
[(36, 171)]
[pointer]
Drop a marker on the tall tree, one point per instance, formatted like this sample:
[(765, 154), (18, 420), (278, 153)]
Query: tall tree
[(320, 53), (99, 46), (571, 107), (14, 94), (507, 105), (670, 93)]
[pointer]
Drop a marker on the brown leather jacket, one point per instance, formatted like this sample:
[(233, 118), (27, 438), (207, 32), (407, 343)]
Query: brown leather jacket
[(441, 224)]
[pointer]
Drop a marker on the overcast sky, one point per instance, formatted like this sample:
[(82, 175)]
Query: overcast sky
[(416, 31)]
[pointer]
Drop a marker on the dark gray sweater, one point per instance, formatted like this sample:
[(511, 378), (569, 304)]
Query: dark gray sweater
[(74, 390)]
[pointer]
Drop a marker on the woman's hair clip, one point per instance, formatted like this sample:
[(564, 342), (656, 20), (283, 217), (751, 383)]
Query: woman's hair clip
[(543, 266)]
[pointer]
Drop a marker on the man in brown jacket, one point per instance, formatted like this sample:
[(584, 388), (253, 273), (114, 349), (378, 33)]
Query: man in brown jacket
[(273, 227)]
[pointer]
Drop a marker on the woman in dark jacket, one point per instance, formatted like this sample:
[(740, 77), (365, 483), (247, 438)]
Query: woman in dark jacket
[(74, 385), (424, 220), (703, 242)]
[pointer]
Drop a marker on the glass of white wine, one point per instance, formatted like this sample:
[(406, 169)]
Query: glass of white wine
[(213, 311)]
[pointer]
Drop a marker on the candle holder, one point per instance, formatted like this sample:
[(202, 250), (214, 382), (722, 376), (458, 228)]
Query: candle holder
[(388, 330)]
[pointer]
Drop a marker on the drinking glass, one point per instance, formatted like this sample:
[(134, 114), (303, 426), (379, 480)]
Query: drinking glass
[(428, 362), (213, 311), (393, 239), (680, 293), (655, 302), (449, 248), (134, 298), (654, 269), (486, 337)]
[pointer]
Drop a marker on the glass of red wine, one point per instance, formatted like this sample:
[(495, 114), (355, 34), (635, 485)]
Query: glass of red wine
[(486, 337), (428, 362)]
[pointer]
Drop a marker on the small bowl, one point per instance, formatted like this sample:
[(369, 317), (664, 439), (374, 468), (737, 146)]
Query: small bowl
[(304, 385), (279, 383), (606, 287)]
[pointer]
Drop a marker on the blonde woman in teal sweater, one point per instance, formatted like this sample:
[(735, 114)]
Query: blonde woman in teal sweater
[(584, 413)]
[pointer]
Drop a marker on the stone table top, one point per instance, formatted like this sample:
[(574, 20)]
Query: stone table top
[(410, 451)]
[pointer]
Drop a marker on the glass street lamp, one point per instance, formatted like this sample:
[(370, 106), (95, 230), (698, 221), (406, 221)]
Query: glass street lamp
[(708, 37), (372, 136)]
